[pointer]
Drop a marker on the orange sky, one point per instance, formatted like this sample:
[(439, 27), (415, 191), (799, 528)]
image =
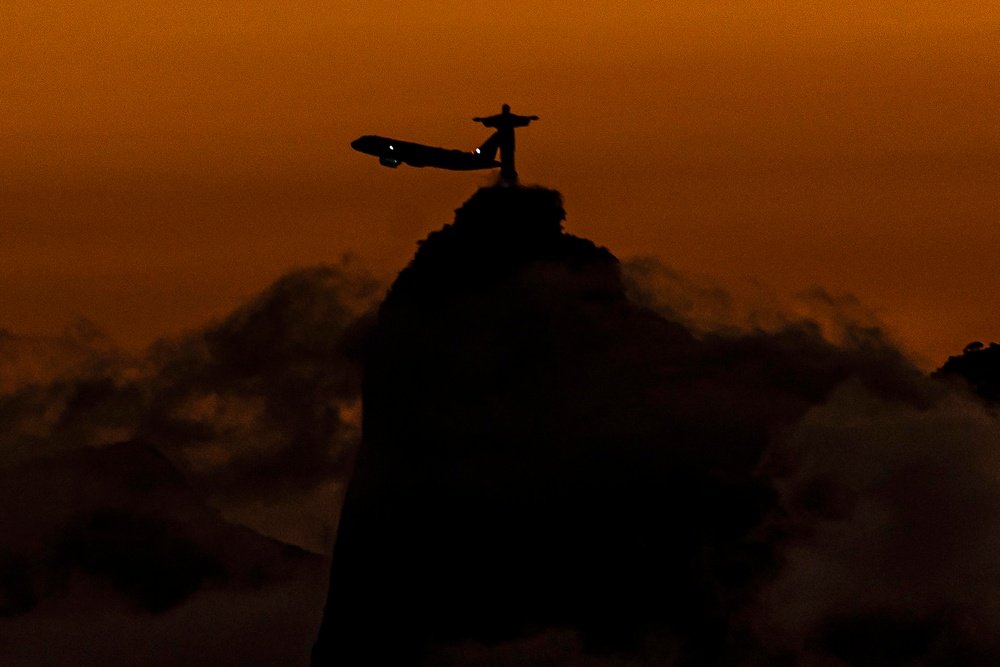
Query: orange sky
[(161, 161)]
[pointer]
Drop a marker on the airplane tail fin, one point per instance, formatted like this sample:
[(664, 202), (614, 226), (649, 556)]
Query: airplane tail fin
[(490, 147)]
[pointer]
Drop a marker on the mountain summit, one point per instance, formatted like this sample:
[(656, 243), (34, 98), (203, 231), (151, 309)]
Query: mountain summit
[(553, 474), (504, 472), (498, 232)]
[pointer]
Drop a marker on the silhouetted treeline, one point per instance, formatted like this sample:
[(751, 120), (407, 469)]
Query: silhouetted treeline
[(979, 366)]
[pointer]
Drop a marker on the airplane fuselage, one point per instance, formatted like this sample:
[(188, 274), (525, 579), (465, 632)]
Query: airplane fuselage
[(392, 153)]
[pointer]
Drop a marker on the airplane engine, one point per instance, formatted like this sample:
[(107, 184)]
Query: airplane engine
[(388, 162)]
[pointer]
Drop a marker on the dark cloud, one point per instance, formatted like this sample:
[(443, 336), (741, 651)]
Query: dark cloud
[(261, 407), (121, 476), (894, 512), (269, 397), (49, 388)]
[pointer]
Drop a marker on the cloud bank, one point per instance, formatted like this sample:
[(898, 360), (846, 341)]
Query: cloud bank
[(122, 476)]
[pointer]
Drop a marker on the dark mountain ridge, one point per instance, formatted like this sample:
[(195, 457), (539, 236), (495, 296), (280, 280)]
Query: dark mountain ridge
[(540, 455)]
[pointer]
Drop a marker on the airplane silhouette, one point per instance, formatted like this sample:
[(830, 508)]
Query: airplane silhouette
[(393, 152)]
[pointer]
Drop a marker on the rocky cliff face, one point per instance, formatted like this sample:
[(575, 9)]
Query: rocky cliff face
[(552, 474), (507, 483)]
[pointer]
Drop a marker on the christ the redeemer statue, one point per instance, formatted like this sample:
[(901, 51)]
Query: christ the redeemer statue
[(504, 123)]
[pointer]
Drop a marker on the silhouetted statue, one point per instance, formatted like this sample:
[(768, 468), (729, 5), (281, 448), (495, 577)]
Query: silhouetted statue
[(505, 122)]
